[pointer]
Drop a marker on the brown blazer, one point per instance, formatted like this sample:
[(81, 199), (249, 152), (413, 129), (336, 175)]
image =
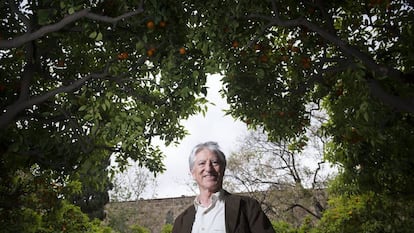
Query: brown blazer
[(243, 215)]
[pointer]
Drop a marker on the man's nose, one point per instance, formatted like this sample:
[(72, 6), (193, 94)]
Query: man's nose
[(209, 166)]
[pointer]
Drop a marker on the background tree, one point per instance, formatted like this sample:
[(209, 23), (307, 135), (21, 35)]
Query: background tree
[(130, 184), (290, 180)]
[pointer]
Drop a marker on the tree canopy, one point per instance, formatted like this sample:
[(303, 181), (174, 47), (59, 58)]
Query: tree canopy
[(84, 80), (285, 60)]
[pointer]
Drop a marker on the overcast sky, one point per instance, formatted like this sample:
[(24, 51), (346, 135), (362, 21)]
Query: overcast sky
[(214, 126)]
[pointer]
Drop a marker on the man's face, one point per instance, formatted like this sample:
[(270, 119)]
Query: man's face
[(208, 171)]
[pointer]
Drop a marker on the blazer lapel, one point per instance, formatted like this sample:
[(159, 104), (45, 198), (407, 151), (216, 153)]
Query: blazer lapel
[(232, 206), (189, 219)]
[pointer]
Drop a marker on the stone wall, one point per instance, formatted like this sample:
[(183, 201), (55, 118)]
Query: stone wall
[(152, 214)]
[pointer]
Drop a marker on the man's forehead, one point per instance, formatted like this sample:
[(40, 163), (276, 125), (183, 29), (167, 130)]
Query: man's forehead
[(205, 153)]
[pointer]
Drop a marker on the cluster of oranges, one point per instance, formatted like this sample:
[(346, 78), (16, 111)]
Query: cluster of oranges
[(162, 24), (151, 51), (151, 24)]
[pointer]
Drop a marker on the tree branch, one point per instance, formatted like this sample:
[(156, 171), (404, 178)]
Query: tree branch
[(351, 51), (304, 208), (401, 104), (315, 175), (85, 13), (12, 110)]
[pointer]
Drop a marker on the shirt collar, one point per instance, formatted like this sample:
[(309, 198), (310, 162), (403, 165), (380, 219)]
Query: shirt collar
[(214, 198)]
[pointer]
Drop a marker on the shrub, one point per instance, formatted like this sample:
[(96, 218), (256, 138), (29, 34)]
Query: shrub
[(283, 227), (369, 213), (167, 228), (138, 229)]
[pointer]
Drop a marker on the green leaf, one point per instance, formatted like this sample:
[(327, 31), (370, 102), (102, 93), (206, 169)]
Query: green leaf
[(82, 108), (93, 35), (366, 116), (43, 16), (139, 45), (196, 74), (103, 105), (71, 10), (99, 37)]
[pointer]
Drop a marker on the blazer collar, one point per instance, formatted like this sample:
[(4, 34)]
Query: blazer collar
[(190, 216)]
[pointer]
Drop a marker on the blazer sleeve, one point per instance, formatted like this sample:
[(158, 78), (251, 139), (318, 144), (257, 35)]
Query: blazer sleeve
[(184, 222), (257, 219), (178, 223)]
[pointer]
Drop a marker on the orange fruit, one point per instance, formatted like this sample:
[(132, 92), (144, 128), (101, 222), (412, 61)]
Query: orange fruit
[(235, 44), (61, 63), (295, 49), (263, 58), (151, 52), (123, 56), (248, 121), (182, 51), (162, 24), (150, 25), (305, 62)]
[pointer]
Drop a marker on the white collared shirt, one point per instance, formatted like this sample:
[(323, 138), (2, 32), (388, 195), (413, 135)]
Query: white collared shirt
[(210, 219)]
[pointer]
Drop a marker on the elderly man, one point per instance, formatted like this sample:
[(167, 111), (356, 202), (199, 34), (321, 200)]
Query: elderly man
[(214, 209)]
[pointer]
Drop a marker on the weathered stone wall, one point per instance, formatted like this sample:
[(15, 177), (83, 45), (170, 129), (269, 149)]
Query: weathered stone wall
[(152, 214)]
